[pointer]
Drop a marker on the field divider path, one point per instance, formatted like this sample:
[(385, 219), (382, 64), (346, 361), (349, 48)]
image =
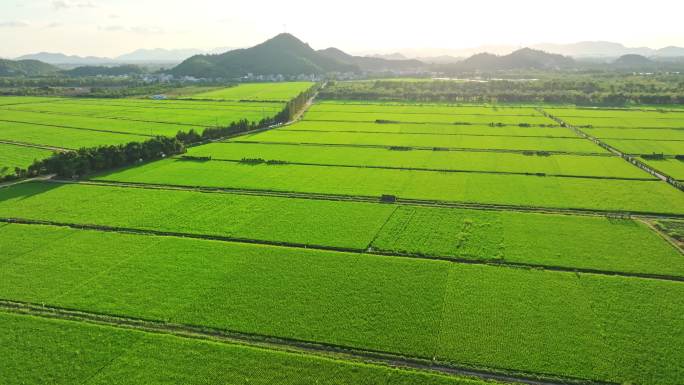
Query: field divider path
[(33, 145), (441, 170), (161, 107), (273, 343), (435, 133), (77, 128), (630, 159), (452, 124), (365, 251), (374, 199), (423, 148)]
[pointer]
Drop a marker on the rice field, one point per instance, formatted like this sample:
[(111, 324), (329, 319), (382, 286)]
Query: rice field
[(428, 128), (670, 166), (68, 138), (536, 191), (257, 91), (513, 143), (468, 234), (50, 349), (71, 123), (482, 161), (485, 237), (640, 147), (421, 308)]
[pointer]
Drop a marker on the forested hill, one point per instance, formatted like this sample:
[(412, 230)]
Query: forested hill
[(283, 54), (11, 68), (288, 56), (525, 58)]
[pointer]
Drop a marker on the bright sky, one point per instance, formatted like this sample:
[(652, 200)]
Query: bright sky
[(114, 27)]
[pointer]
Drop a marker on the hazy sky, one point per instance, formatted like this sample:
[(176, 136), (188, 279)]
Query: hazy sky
[(113, 27)]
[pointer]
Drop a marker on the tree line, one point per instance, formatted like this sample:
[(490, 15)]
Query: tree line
[(587, 89)]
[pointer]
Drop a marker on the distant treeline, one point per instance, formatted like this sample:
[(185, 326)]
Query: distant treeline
[(579, 90), (75, 164), (93, 86)]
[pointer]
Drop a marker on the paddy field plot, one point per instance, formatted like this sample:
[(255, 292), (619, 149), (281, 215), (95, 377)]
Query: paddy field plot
[(92, 124), (227, 215), (476, 161), (345, 116), (650, 196), (641, 147), (424, 108), (70, 123), (257, 91), (430, 128), (569, 241), (636, 133), (512, 143), (613, 118), (455, 233), (153, 111), (514, 237), (68, 138), (670, 166), (532, 321), (72, 352)]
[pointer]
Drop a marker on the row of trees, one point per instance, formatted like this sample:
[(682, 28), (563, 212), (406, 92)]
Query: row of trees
[(74, 164), (585, 89)]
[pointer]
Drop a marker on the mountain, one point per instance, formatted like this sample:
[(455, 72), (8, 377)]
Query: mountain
[(633, 61), (283, 54), (371, 64), (525, 58), (25, 68), (443, 59), (60, 58), (605, 49), (158, 55), (390, 56), (105, 71), (670, 51)]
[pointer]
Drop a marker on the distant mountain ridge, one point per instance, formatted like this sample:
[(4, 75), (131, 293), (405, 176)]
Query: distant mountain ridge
[(154, 55), (11, 68), (599, 49), (525, 58), (60, 58)]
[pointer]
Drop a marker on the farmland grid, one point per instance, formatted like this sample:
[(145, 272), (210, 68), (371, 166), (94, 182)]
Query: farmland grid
[(397, 235)]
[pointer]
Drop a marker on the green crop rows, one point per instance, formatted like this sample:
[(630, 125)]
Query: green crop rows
[(427, 128), (257, 91), (561, 164), (60, 352), (260, 218), (76, 123), (670, 166), (575, 193), (570, 241), (656, 135), (477, 236), (517, 143), (62, 137), (562, 323)]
